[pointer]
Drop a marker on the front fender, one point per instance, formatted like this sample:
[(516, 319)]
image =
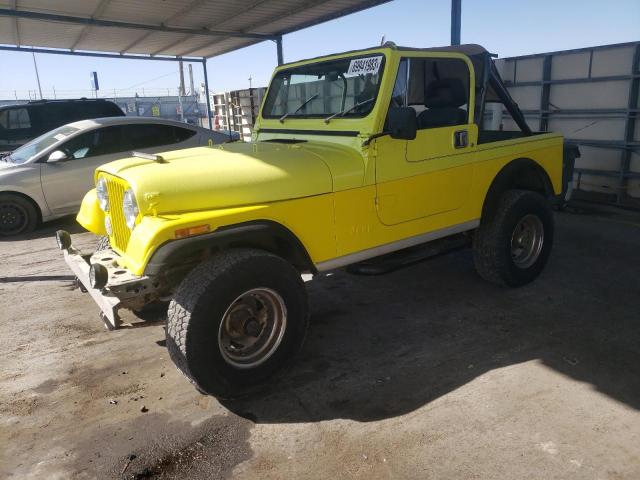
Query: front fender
[(315, 231), (91, 215), (25, 180)]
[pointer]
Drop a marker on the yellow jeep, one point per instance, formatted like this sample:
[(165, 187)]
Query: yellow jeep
[(354, 156)]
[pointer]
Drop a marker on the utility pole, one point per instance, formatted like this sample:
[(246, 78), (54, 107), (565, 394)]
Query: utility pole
[(456, 21), (35, 65), (192, 92), (181, 92)]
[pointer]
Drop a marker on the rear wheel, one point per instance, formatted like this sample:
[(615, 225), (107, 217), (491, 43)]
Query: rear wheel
[(512, 248), (17, 215), (235, 320)]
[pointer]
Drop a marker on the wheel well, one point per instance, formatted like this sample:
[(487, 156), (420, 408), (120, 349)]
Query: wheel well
[(28, 199), (519, 174), (264, 235)]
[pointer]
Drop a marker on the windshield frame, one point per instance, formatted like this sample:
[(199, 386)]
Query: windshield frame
[(323, 115), (51, 133)]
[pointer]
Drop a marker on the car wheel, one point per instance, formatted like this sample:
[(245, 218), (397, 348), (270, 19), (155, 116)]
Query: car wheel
[(17, 215), (512, 248), (235, 320)]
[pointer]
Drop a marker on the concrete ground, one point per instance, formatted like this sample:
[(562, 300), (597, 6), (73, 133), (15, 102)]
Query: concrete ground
[(427, 372)]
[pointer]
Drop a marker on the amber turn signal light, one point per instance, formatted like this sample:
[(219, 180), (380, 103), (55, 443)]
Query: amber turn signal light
[(191, 231)]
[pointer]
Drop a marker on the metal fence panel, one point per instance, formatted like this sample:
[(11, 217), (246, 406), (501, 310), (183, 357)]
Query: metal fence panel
[(590, 95)]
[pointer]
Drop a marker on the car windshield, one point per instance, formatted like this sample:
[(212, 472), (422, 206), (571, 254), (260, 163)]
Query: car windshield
[(348, 87), (41, 143)]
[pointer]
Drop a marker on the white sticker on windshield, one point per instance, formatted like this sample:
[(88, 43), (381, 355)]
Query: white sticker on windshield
[(362, 66), (60, 136)]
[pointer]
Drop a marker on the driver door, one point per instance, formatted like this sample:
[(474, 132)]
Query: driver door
[(64, 183), (431, 174)]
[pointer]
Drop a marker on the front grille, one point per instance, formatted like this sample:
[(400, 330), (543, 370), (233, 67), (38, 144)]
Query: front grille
[(120, 236)]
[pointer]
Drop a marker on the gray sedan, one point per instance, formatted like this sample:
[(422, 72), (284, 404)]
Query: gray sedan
[(48, 177)]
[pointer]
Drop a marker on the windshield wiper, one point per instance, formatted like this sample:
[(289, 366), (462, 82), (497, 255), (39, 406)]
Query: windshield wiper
[(298, 109), (344, 112)]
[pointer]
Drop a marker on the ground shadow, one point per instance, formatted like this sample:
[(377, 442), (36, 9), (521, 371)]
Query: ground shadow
[(383, 346), (37, 278), (49, 229)]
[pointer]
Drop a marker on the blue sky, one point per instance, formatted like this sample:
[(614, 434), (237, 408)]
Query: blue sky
[(505, 27)]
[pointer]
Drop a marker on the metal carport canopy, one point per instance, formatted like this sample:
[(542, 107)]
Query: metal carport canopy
[(161, 30), (173, 28)]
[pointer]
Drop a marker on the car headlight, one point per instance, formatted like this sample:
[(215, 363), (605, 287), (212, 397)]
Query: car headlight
[(130, 208), (101, 193)]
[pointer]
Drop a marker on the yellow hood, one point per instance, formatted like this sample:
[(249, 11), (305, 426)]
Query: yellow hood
[(229, 175)]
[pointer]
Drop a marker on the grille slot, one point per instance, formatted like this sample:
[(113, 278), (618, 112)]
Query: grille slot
[(121, 233)]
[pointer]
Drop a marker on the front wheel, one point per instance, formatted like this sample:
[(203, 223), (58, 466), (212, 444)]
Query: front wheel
[(235, 320), (17, 215), (512, 248)]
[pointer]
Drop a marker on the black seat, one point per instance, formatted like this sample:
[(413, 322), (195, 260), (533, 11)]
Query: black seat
[(443, 99)]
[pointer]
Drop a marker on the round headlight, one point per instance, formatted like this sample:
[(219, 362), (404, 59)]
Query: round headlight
[(130, 208), (103, 196)]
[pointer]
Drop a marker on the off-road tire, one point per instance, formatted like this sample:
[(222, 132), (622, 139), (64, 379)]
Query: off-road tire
[(198, 307), (492, 252), (14, 208)]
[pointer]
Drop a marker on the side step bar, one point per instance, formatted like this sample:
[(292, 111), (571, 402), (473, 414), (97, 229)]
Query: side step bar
[(410, 256)]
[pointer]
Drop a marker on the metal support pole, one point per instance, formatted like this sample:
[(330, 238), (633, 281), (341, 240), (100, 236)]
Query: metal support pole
[(456, 21), (279, 49), (543, 125), (35, 65), (206, 92)]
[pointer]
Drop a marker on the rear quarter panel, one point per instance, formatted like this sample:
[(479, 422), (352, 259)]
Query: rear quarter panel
[(544, 149)]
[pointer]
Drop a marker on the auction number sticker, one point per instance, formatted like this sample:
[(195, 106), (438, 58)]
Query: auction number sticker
[(363, 66)]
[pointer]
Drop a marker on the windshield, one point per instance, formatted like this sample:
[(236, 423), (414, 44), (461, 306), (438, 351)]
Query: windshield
[(348, 86), (41, 143)]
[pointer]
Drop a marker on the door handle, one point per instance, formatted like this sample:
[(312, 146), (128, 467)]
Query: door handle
[(460, 139)]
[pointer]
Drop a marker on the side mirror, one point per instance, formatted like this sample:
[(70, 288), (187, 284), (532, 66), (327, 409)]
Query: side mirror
[(403, 123), (57, 156)]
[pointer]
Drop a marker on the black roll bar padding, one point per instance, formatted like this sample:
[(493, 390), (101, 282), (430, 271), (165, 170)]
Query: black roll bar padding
[(512, 107)]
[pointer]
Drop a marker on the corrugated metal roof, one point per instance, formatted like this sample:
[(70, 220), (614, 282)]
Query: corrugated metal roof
[(189, 28)]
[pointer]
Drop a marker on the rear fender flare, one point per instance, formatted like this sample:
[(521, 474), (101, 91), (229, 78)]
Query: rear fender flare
[(521, 173)]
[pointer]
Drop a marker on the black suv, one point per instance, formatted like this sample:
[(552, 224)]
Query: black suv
[(21, 123)]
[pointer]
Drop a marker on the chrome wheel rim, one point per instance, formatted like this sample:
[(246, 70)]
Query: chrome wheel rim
[(527, 240), (252, 328), (13, 218)]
